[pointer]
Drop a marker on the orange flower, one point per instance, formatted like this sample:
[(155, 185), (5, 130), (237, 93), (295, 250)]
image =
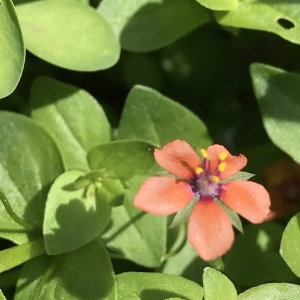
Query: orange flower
[(209, 228), (283, 184)]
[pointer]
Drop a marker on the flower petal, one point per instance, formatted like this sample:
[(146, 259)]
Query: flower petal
[(163, 196), (210, 231), (233, 163), (249, 199), (178, 158)]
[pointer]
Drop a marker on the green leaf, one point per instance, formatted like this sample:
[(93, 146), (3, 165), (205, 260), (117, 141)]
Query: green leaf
[(2, 297), (11, 49), (254, 258), (238, 176), (142, 25), (220, 4), (15, 256), (290, 244), (72, 116), (111, 190), (152, 117), (136, 235), (68, 34), (29, 163), (122, 159), (217, 286), (150, 286), (85, 273), (73, 217), (182, 215), (272, 291), (185, 263), (279, 17), (233, 216), (278, 95)]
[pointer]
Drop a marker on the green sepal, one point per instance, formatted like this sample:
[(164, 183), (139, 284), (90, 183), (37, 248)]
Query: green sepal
[(111, 190), (233, 216), (85, 179), (238, 176), (183, 214)]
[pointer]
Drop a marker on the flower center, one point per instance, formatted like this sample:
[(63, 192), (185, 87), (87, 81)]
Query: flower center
[(206, 182)]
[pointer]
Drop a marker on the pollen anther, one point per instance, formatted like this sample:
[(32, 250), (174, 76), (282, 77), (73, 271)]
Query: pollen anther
[(222, 156), (199, 170), (215, 179), (203, 152), (221, 166)]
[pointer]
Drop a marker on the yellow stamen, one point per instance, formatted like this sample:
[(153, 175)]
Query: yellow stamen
[(215, 179), (199, 170), (223, 155), (203, 152), (221, 166)]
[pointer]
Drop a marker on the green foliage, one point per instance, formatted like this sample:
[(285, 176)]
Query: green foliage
[(278, 95), (217, 286), (69, 175), (272, 291), (289, 248), (260, 244), (73, 217), (220, 4), (131, 24), (63, 110), (17, 255), (122, 159), (11, 48), (68, 34), (281, 18), (134, 234), (154, 118), (148, 286), (26, 172)]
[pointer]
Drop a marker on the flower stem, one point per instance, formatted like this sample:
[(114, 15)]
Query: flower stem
[(217, 264), (12, 213), (43, 280)]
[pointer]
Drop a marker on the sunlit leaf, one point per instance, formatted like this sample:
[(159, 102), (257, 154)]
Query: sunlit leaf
[(69, 34), (278, 95), (131, 19), (220, 4), (12, 49), (279, 17), (217, 286), (73, 118)]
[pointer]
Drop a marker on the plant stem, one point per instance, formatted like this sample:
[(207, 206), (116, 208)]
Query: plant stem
[(12, 213)]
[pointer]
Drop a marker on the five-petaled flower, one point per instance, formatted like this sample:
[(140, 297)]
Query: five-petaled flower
[(209, 229)]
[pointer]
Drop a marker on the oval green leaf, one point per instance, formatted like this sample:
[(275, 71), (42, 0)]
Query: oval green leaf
[(122, 159), (152, 117), (281, 18), (85, 273), (220, 4), (144, 25), (272, 291), (217, 286), (140, 286), (12, 49), (73, 217), (29, 163), (132, 227), (290, 244), (278, 95), (72, 116), (68, 34)]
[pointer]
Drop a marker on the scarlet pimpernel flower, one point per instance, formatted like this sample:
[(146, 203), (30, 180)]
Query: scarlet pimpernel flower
[(208, 179)]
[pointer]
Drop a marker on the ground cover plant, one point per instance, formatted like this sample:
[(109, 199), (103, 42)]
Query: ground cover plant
[(150, 149)]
